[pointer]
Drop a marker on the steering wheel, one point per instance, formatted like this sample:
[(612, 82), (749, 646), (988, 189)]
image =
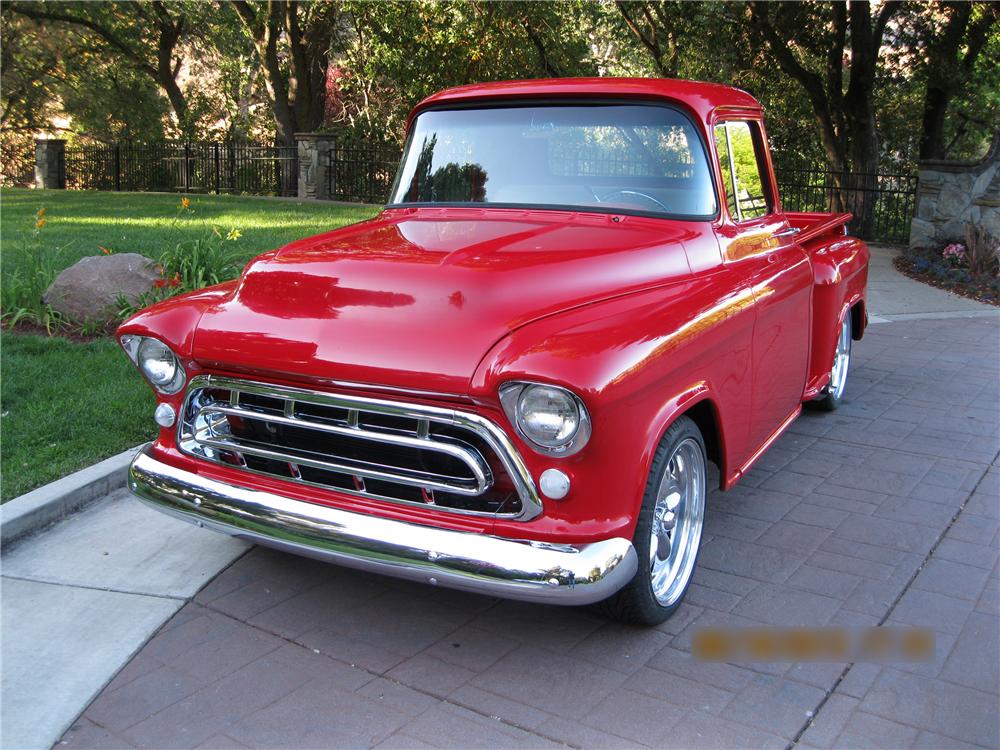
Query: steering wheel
[(607, 198)]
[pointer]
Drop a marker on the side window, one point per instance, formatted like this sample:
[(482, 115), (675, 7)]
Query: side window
[(740, 148)]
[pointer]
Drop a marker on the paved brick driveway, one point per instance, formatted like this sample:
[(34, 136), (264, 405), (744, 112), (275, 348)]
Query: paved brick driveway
[(885, 512)]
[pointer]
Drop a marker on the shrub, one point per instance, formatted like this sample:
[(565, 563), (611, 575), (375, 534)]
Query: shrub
[(192, 264), (984, 251), (36, 264)]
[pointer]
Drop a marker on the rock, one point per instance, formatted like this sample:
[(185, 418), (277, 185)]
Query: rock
[(952, 231), (952, 202), (982, 184), (88, 291), (991, 221), (922, 234)]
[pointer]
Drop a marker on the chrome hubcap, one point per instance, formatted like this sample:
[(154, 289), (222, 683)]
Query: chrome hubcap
[(678, 517), (841, 360)]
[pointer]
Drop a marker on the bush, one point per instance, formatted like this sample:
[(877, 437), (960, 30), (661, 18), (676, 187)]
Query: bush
[(192, 265), (36, 263), (971, 269)]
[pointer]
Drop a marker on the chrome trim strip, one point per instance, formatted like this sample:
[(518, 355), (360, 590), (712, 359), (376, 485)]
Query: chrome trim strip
[(481, 472), (495, 438), (494, 566), (360, 469)]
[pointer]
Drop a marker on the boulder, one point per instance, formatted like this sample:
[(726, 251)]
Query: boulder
[(88, 291)]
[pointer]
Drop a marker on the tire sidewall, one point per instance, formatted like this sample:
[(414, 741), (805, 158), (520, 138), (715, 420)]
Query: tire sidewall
[(680, 430)]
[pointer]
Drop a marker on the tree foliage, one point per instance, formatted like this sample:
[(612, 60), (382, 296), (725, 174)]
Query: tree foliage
[(856, 84)]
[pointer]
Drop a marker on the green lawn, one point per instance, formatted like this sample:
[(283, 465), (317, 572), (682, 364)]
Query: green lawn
[(80, 223), (65, 405)]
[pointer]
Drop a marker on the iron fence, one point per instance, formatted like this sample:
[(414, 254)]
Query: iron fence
[(362, 172), (818, 189), (17, 165), (189, 167)]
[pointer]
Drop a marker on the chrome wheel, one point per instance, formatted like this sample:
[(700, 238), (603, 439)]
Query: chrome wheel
[(841, 360), (678, 518)]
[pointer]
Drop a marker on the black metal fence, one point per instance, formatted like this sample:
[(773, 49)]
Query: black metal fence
[(217, 167), (818, 189), (362, 172), (17, 165)]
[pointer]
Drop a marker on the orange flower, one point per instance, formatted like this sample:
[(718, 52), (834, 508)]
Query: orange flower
[(40, 213), (160, 283), (176, 280), (104, 250), (40, 223), (185, 203)]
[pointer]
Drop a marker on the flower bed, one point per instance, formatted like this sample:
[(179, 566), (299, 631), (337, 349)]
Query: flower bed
[(971, 273)]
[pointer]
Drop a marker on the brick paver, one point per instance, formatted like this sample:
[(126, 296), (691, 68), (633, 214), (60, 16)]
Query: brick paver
[(885, 512)]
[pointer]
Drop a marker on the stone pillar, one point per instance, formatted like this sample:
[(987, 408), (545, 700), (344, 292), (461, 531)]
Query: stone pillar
[(952, 195), (50, 164), (315, 172)]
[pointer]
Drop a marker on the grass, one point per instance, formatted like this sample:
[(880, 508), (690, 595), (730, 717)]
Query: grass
[(65, 404), (78, 224)]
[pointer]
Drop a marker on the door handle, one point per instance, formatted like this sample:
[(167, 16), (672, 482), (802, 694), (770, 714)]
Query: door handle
[(787, 232)]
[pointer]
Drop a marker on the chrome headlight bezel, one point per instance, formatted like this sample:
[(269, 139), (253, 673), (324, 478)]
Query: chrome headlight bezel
[(512, 398), (140, 350)]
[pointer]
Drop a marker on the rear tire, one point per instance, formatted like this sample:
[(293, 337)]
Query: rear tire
[(674, 506), (833, 393)]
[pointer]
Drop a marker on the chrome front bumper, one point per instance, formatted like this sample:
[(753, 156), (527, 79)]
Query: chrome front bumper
[(490, 565)]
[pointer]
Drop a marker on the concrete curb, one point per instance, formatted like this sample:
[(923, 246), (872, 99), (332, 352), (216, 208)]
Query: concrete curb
[(30, 512)]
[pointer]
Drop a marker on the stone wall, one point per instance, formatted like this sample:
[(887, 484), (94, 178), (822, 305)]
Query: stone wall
[(951, 195)]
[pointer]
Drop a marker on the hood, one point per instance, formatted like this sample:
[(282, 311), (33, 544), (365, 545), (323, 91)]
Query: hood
[(415, 298)]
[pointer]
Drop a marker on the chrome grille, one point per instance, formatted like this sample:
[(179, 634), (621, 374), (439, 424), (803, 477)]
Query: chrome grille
[(452, 460)]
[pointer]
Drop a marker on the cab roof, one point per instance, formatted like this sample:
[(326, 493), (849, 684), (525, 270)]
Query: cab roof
[(700, 97)]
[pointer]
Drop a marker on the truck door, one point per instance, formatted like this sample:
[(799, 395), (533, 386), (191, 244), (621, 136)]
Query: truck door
[(758, 238)]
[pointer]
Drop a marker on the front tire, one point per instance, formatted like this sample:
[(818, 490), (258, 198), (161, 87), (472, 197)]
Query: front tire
[(833, 394), (668, 530)]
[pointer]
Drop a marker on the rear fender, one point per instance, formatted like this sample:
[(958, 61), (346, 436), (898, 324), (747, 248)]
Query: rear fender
[(840, 272)]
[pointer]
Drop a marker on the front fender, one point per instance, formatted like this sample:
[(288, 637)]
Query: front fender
[(637, 361), (175, 320)]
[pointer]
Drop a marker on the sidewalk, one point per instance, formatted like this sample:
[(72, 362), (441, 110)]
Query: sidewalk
[(847, 521), (894, 296), (80, 599)]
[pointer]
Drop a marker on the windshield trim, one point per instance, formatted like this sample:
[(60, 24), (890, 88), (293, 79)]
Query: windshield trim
[(570, 101)]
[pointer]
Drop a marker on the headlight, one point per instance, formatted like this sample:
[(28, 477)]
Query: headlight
[(553, 419), (156, 362)]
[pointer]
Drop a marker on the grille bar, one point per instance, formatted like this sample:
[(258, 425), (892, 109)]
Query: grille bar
[(481, 479), (450, 460)]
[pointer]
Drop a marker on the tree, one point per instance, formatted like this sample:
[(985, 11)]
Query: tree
[(400, 52), (296, 92), (954, 35), (659, 27), (145, 36), (832, 51)]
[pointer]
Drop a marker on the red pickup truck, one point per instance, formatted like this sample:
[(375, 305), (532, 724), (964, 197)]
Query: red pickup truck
[(511, 380)]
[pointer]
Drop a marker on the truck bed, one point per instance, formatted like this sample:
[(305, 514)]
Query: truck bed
[(815, 224)]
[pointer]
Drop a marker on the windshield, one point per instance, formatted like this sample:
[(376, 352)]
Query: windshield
[(607, 157)]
